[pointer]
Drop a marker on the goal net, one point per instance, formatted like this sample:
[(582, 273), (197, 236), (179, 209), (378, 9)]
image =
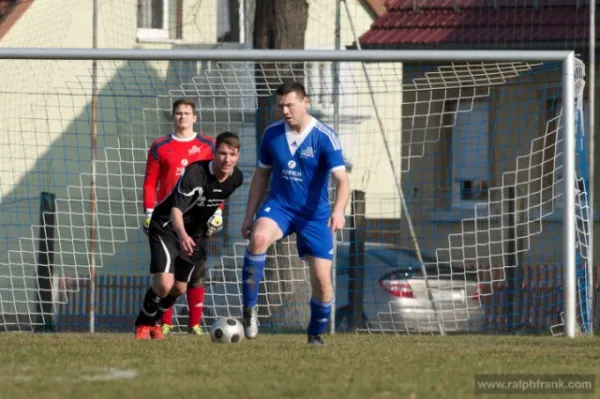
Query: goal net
[(455, 222)]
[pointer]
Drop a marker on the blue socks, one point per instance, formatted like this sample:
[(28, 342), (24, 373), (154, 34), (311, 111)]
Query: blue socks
[(252, 274), (319, 316)]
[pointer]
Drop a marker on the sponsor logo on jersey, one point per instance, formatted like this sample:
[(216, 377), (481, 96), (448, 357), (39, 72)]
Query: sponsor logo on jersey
[(184, 162), (307, 153), (204, 202), (291, 175), (194, 150)]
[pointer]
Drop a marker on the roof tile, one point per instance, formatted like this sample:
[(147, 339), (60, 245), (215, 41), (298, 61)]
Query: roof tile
[(475, 21)]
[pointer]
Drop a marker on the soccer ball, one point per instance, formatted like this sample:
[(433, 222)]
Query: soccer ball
[(227, 330)]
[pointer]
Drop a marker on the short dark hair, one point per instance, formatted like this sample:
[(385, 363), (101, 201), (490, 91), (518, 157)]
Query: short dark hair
[(291, 86), (229, 138), (183, 101)]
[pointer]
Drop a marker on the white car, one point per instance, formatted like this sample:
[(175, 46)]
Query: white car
[(395, 298)]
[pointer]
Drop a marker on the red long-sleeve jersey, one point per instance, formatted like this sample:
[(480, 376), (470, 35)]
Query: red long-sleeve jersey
[(167, 159)]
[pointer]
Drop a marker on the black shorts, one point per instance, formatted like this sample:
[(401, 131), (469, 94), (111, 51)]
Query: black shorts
[(166, 256)]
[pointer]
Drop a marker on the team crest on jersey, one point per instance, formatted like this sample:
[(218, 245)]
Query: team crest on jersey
[(201, 201), (307, 153), (194, 150)]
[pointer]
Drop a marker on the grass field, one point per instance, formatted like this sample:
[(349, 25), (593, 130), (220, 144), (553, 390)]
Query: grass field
[(278, 366)]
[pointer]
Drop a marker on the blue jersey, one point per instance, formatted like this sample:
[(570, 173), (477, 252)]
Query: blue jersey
[(301, 165)]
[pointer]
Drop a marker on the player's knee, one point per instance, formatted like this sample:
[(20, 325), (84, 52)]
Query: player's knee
[(162, 285), (197, 279), (178, 289), (321, 283), (196, 284), (260, 242), (265, 233), (198, 274), (322, 290)]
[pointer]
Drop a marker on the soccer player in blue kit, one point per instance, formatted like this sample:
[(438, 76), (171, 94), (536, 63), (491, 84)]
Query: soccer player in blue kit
[(298, 154)]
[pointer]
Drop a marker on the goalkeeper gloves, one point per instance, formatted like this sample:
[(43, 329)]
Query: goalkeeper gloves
[(147, 221), (215, 223)]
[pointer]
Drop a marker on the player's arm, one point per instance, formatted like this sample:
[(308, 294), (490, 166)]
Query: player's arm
[(191, 184), (257, 190), (258, 185), (260, 179), (336, 166), (150, 184), (187, 243), (342, 190)]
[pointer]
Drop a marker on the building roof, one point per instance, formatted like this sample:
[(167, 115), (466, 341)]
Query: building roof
[(480, 23), (10, 12)]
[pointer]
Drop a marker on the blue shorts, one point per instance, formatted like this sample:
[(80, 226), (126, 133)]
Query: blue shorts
[(314, 237)]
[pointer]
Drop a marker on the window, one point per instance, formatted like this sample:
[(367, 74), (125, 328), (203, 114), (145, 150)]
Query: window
[(158, 19), (470, 154), (230, 27), (221, 21)]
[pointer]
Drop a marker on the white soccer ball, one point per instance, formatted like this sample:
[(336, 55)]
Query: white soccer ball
[(227, 330)]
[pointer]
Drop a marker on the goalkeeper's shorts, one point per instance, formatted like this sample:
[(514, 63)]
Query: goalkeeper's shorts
[(166, 256), (313, 237)]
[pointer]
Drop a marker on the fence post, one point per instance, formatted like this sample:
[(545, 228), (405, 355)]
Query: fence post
[(45, 267), (356, 269), (513, 305)]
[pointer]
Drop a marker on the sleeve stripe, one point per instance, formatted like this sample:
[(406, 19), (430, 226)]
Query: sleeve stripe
[(206, 141), (157, 145), (262, 165), (335, 142), (340, 167)]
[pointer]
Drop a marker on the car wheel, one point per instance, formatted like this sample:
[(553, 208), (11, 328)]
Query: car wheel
[(342, 317)]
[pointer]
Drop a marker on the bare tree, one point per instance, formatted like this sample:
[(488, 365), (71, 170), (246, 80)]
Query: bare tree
[(281, 24)]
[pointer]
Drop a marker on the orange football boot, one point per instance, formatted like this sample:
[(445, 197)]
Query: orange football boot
[(156, 332), (143, 332)]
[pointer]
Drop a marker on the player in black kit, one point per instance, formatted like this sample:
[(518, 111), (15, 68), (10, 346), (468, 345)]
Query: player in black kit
[(179, 229)]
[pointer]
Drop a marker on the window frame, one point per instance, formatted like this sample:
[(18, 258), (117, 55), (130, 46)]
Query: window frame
[(456, 201), (162, 34)]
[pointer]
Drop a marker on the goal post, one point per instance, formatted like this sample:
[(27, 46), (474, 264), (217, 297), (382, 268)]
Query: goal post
[(418, 95), (569, 227)]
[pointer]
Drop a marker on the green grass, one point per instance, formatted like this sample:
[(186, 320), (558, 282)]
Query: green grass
[(278, 366)]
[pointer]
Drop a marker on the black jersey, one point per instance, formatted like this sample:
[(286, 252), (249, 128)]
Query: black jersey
[(197, 194)]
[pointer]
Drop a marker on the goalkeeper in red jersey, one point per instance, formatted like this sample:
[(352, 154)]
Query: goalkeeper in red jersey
[(167, 159)]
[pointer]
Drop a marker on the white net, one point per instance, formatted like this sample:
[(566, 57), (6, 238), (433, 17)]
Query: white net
[(483, 184), (475, 147)]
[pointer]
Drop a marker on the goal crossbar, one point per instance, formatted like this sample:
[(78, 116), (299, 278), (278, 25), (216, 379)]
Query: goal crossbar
[(282, 55)]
